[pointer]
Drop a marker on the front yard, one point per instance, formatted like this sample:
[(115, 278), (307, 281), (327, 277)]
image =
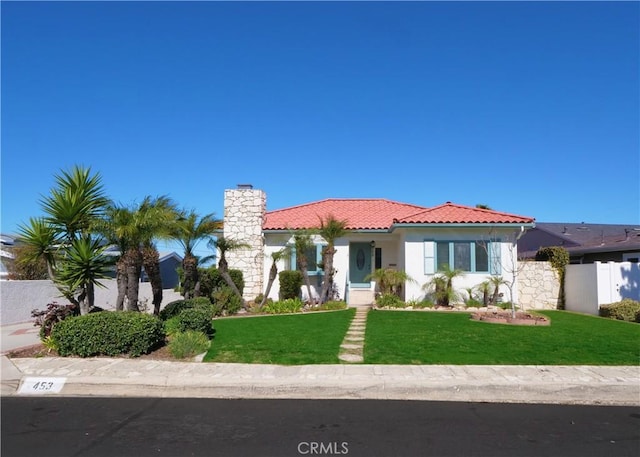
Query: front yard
[(452, 338), (295, 339), (396, 337)]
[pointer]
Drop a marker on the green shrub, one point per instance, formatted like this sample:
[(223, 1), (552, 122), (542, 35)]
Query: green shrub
[(625, 310), (290, 305), (108, 333), (172, 325), (290, 284), (188, 344), (197, 319), (176, 307), (226, 301), (472, 302), (390, 300), (426, 303), (211, 279), (332, 305), (173, 309)]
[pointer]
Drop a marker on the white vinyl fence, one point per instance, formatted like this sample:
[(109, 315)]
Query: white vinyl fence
[(587, 286), (18, 298)]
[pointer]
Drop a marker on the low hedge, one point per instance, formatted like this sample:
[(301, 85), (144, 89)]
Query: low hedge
[(176, 307), (108, 333), (625, 310), (196, 319)]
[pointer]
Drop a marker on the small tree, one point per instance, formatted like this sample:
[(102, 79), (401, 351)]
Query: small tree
[(389, 280), (303, 243), (188, 230), (513, 267), (442, 286), (273, 272), (224, 245), (63, 237), (330, 229)]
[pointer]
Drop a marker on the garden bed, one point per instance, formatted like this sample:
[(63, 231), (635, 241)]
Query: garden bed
[(505, 317)]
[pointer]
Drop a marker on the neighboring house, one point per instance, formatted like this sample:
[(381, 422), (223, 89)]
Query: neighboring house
[(381, 234), (6, 255), (586, 243), (169, 263)]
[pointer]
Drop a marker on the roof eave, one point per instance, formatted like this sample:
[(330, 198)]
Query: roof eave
[(464, 224)]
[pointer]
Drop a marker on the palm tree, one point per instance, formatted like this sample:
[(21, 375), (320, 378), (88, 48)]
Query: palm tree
[(496, 282), (188, 230), (483, 287), (225, 245), (41, 241), (157, 215), (330, 229), (302, 243), (389, 280), (117, 226), (63, 237), (273, 271), (84, 265), (442, 283), (76, 203)]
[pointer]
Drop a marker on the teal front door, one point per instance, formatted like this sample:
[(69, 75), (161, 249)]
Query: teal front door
[(359, 264)]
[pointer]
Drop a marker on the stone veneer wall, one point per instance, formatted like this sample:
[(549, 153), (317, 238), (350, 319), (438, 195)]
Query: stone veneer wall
[(538, 286), (244, 211)]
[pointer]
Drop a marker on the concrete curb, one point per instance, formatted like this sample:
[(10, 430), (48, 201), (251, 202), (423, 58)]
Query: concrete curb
[(501, 384)]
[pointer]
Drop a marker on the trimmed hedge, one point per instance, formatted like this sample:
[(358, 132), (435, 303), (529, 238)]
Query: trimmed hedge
[(176, 307), (290, 284), (196, 319), (625, 310), (108, 333)]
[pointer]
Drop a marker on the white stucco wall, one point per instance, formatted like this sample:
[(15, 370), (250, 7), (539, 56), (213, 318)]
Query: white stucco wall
[(18, 298), (413, 241), (404, 250)]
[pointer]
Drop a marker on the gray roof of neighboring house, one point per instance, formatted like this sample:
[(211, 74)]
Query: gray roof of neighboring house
[(580, 238)]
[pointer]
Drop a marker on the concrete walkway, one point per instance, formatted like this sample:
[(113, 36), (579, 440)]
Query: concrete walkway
[(352, 348)]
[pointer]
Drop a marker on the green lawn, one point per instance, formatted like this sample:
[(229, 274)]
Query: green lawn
[(298, 339), (394, 337)]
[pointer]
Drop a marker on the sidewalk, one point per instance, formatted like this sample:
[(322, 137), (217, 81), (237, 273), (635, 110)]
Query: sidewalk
[(122, 377), (509, 384)]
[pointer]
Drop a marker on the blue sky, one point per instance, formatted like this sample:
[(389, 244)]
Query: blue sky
[(529, 107)]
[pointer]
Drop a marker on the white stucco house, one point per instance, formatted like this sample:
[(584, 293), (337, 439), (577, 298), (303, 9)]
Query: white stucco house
[(381, 234)]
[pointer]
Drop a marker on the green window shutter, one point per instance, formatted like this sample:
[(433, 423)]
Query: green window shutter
[(494, 258), (292, 257), (429, 258)]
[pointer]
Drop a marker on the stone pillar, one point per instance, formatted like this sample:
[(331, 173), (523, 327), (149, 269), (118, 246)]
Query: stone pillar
[(244, 210)]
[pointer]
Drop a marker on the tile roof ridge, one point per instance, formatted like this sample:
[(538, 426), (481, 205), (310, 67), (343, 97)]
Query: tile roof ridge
[(346, 199)]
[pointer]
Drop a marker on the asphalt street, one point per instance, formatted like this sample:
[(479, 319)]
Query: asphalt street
[(141, 427)]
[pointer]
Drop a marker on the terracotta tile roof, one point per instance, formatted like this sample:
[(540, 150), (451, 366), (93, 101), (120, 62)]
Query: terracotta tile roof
[(379, 214), (450, 213)]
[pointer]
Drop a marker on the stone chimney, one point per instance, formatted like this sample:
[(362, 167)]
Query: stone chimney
[(244, 210)]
